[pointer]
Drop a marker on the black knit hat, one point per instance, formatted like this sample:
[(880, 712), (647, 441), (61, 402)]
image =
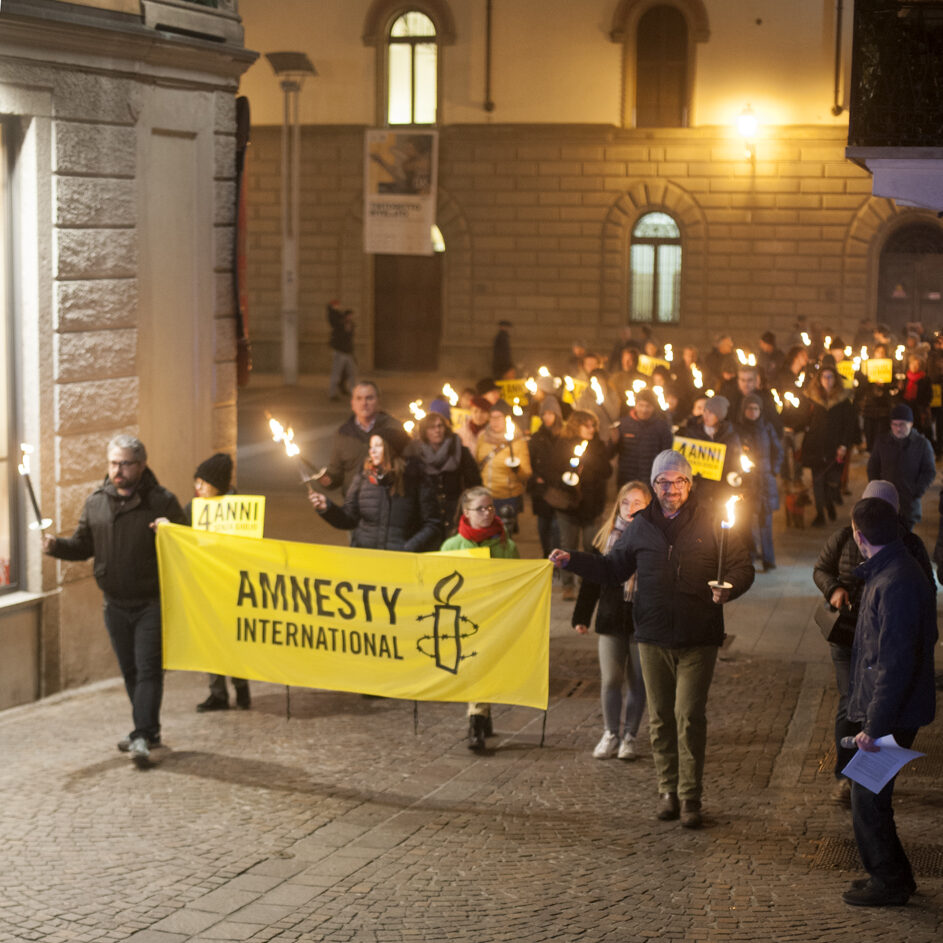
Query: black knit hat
[(217, 471)]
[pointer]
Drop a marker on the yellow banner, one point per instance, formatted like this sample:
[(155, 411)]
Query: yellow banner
[(242, 515), (431, 627), (706, 458), (514, 389), (846, 370), (458, 416), (880, 370)]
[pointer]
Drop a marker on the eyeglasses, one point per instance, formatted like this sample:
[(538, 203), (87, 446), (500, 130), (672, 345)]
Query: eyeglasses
[(483, 510), (679, 484)]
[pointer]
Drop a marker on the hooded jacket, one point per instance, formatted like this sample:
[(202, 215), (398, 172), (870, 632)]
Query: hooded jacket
[(351, 443)]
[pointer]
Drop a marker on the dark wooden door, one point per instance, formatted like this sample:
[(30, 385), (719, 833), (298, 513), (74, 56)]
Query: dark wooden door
[(910, 286), (407, 293)]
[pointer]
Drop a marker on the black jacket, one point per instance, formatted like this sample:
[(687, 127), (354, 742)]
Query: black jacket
[(540, 445), (614, 612), (383, 520), (351, 443), (839, 559), (891, 684), (673, 607), (639, 442), (116, 531), (909, 465), (446, 485)]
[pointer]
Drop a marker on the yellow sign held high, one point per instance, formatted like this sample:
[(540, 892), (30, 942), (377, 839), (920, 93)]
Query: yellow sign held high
[(706, 458), (240, 514), (408, 625)]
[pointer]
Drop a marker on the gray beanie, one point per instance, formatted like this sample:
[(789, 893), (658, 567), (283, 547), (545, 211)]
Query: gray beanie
[(719, 406), (884, 491), (670, 461)]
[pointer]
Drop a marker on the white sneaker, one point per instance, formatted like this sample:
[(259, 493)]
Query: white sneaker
[(607, 746), (139, 752), (627, 749)]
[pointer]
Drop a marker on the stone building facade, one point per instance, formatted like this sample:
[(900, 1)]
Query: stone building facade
[(117, 123), (539, 195)]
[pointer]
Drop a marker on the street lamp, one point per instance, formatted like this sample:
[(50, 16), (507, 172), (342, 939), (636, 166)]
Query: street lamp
[(291, 68), (748, 125)]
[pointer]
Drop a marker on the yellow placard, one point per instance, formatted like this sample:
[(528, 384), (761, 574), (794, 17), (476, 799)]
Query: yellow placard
[(846, 370), (240, 514), (936, 397), (432, 627), (458, 416), (880, 370), (706, 458), (514, 389), (647, 364), (571, 396)]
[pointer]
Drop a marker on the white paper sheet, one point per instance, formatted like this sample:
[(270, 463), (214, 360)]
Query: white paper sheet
[(875, 770)]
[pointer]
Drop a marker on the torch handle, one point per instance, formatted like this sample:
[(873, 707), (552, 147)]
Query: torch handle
[(722, 554), (32, 498)]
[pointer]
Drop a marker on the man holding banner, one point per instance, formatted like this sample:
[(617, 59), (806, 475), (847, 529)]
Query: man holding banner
[(117, 527), (681, 586)]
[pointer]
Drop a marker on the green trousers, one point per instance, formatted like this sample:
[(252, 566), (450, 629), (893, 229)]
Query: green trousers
[(676, 684)]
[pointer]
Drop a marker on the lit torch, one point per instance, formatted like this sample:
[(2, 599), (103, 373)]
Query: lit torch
[(725, 526), (516, 408), (306, 470), (450, 394), (511, 462), (572, 478), (596, 387), (777, 400), (530, 385), (669, 353), (806, 340), (41, 522), (698, 376)]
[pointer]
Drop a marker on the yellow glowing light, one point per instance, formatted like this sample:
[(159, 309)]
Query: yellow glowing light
[(806, 340), (450, 394), (669, 353), (569, 383), (531, 384), (597, 389), (747, 123), (508, 428), (731, 518)]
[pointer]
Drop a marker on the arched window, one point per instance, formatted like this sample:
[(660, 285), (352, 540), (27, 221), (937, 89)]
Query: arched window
[(409, 36), (661, 69), (910, 278), (655, 270), (411, 70), (659, 43)]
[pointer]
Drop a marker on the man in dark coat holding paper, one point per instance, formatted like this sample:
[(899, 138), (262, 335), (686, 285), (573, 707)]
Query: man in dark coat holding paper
[(891, 689), (679, 621)]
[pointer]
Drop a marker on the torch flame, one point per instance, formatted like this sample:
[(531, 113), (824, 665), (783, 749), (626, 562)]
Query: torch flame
[(450, 394), (828, 342), (792, 399), (751, 360), (899, 353), (741, 356), (731, 518), (27, 450), (543, 372), (776, 399), (285, 436), (630, 397), (516, 408), (698, 376), (409, 425), (669, 353), (531, 384), (806, 340), (864, 353), (416, 409), (659, 392), (597, 389), (746, 464), (847, 351), (638, 385), (508, 428), (569, 383), (800, 380)]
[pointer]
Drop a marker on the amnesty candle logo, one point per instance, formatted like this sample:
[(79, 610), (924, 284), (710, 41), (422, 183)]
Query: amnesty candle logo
[(407, 625), (446, 635)]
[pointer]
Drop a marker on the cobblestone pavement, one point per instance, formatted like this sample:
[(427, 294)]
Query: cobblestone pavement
[(343, 824)]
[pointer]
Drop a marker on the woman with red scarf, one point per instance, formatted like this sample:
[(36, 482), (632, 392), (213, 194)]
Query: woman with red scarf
[(479, 526), (917, 392)]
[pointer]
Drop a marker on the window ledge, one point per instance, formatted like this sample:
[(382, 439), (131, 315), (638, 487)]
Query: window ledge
[(17, 600), (219, 24)]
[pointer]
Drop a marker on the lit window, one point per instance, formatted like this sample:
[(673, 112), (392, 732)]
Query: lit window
[(655, 269), (412, 70)]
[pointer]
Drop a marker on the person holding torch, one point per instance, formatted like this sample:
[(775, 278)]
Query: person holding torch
[(673, 547)]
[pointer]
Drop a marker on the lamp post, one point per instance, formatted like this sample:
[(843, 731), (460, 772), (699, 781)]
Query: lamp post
[(291, 68)]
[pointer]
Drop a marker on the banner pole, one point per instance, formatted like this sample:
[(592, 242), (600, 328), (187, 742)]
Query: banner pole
[(287, 702), (543, 729), (415, 718)]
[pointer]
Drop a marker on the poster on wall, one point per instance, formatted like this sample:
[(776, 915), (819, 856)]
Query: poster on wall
[(400, 170)]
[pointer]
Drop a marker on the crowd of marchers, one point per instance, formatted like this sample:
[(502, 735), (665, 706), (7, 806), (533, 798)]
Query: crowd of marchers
[(646, 543)]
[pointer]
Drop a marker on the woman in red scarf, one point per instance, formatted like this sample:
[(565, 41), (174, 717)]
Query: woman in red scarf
[(479, 526), (916, 392)]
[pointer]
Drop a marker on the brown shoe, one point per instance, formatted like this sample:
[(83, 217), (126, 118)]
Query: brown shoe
[(667, 808), (691, 813), (841, 792)]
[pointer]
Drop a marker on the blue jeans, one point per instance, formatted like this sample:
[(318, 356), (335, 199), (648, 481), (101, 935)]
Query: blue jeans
[(135, 633), (620, 669), (872, 815)]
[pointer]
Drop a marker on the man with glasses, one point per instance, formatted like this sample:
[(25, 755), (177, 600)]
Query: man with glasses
[(672, 546), (117, 527)]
